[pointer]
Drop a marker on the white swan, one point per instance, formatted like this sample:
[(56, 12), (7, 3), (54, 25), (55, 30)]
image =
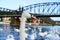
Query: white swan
[(24, 17)]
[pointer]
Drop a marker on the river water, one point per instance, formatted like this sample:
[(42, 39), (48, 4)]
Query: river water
[(7, 32)]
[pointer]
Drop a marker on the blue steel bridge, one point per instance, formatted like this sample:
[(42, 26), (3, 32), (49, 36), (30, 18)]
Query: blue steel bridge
[(47, 8)]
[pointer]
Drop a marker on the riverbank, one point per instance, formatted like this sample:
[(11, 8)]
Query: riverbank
[(41, 24)]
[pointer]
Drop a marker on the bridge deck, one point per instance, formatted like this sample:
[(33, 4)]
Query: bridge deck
[(37, 15)]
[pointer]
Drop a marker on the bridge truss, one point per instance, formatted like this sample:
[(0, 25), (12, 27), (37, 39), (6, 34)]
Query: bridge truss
[(41, 9), (45, 9)]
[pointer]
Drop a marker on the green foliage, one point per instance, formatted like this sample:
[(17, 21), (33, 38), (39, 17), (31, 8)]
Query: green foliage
[(29, 20)]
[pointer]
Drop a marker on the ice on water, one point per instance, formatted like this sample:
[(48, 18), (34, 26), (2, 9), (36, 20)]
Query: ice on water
[(31, 33), (10, 37)]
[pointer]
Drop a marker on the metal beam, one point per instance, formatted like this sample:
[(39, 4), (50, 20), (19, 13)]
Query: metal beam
[(39, 15), (48, 16), (53, 10)]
